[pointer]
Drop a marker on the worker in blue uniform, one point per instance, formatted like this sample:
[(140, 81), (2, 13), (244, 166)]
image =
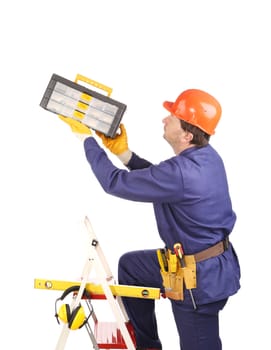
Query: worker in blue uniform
[(192, 205)]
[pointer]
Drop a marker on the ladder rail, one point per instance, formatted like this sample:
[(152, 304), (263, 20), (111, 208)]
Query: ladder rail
[(93, 239), (103, 270)]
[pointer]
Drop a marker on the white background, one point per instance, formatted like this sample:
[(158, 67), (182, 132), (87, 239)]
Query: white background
[(148, 52)]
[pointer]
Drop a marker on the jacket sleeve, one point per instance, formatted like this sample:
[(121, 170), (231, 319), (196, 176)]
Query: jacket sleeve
[(156, 183), (137, 163)]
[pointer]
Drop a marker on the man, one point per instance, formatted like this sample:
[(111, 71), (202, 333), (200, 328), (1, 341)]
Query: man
[(192, 206)]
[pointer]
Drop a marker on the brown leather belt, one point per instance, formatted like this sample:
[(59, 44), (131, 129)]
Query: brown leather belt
[(213, 251)]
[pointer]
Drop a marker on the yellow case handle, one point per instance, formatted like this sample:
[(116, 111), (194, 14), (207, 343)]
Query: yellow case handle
[(94, 83)]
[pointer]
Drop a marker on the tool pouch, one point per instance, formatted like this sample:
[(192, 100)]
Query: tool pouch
[(174, 282), (190, 272)]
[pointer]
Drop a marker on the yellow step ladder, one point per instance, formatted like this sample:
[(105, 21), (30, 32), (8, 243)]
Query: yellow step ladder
[(104, 335)]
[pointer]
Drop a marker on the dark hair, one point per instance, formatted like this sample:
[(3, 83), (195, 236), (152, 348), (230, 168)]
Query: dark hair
[(200, 138)]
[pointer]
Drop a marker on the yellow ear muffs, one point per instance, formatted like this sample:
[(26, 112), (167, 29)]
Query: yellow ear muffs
[(78, 318), (75, 318), (64, 313)]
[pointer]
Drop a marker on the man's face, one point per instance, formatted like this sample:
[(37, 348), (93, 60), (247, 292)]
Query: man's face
[(175, 135), (172, 129)]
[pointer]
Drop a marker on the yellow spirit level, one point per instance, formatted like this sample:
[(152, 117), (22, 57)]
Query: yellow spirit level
[(70, 99)]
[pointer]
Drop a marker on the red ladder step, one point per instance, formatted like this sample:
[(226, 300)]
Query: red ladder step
[(108, 335)]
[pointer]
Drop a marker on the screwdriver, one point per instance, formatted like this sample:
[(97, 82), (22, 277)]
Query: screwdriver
[(162, 259), (163, 253), (180, 254)]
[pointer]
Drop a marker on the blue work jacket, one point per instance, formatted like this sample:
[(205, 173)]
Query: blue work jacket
[(191, 202)]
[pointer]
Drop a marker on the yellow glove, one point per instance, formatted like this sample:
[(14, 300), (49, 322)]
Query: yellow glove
[(77, 127), (117, 145)]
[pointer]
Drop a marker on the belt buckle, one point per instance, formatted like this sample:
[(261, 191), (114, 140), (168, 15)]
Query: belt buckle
[(226, 243)]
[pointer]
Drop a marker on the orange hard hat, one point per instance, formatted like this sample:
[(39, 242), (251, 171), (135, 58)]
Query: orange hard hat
[(198, 108)]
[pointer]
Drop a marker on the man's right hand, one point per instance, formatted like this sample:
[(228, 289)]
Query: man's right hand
[(118, 144)]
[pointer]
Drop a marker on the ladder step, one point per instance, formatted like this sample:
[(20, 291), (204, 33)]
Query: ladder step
[(108, 335)]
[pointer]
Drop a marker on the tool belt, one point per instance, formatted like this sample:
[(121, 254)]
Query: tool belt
[(179, 272), (213, 251)]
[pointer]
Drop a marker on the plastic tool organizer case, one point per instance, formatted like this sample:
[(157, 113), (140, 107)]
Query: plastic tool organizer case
[(70, 99)]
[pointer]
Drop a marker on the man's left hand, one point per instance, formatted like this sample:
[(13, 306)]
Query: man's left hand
[(78, 128)]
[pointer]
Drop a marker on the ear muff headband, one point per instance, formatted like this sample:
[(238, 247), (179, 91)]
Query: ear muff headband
[(75, 318), (74, 289)]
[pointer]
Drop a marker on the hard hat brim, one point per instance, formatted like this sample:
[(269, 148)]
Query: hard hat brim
[(168, 105)]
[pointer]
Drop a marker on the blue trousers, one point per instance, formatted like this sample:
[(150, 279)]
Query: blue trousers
[(198, 329)]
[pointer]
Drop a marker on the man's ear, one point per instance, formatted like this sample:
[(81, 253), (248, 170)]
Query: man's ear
[(188, 137)]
